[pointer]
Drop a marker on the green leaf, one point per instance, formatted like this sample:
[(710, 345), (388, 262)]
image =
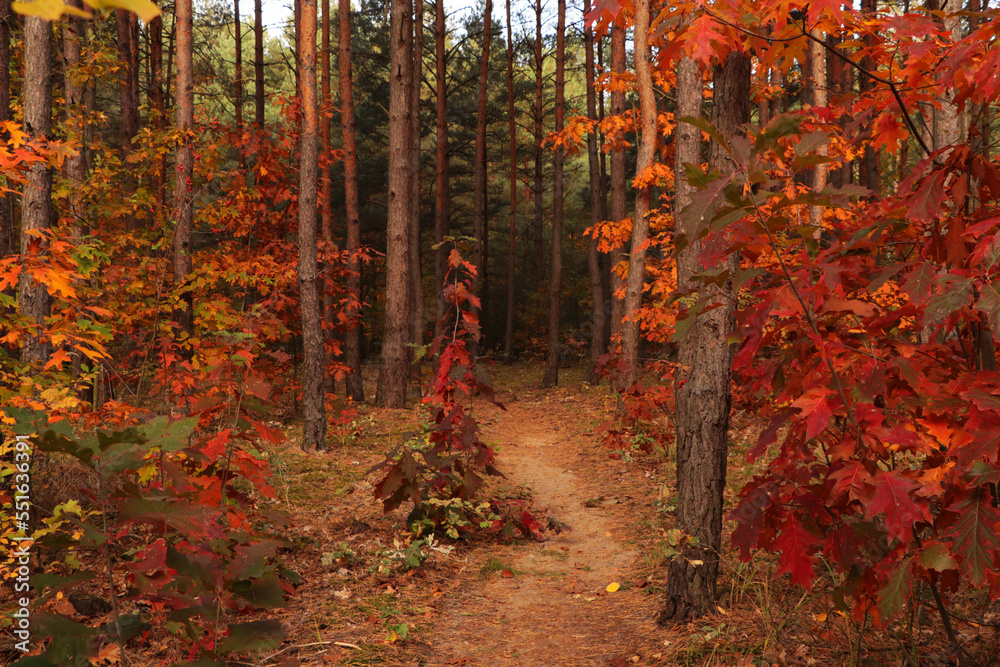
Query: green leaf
[(989, 303), (253, 636), (894, 595), (72, 642), (264, 593), (936, 556), (709, 129), (783, 125)]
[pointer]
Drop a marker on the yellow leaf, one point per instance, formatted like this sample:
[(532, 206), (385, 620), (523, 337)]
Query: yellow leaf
[(144, 9), (50, 10), (612, 587)]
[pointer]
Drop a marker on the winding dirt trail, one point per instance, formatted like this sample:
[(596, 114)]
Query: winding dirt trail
[(555, 609)]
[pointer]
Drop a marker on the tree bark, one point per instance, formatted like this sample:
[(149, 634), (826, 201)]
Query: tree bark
[(6, 199), (868, 172), (595, 262), (479, 167), (73, 93), (819, 99), (157, 101), (325, 182), (393, 370), (416, 274), (551, 377), (508, 340), (313, 348), (442, 186), (702, 382), (36, 196), (640, 223), (258, 64), (183, 191), (238, 76), (618, 208), (129, 109), (352, 337), (539, 111)]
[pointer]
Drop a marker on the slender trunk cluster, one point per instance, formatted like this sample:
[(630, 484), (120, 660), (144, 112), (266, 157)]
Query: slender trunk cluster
[(352, 337), (6, 198), (508, 339), (618, 209), (640, 223), (479, 167), (551, 377), (595, 260), (442, 185), (258, 64), (539, 114)]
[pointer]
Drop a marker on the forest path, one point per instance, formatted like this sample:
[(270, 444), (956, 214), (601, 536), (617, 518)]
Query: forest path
[(555, 609)]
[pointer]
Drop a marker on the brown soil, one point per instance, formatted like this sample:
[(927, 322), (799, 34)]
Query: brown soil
[(555, 609)]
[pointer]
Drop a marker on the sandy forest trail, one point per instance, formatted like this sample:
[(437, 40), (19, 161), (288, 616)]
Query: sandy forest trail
[(555, 609)]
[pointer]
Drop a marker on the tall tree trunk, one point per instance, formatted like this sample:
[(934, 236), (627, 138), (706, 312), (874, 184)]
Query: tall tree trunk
[(551, 377), (258, 63), (618, 208), (183, 194), (393, 371), (416, 274), (73, 93), (702, 383), (817, 78), (640, 223), (36, 196), (352, 337), (595, 265), (325, 182), (313, 349), (479, 166), (6, 198), (156, 99), (539, 88), (508, 339), (129, 109), (948, 123), (442, 187), (238, 75), (868, 168)]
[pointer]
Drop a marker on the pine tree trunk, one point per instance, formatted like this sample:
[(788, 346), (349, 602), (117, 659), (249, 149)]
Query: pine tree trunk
[(6, 198), (129, 109), (479, 166), (156, 100), (595, 265), (868, 171), (551, 377), (258, 64), (238, 76), (817, 78), (416, 274), (618, 209), (36, 196), (393, 371), (539, 110), (640, 223), (508, 340), (702, 383), (183, 193), (442, 187), (325, 182), (313, 348), (352, 337), (73, 93)]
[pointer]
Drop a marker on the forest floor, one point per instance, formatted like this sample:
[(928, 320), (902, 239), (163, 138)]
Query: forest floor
[(485, 602), (586, 595)]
